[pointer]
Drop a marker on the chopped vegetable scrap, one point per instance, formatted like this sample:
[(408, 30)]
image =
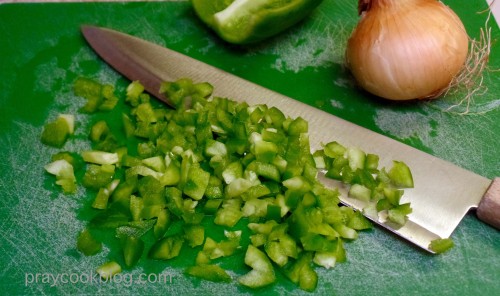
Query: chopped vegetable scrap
[(381, 189), (217, 160), (441, 245), (56, 133)]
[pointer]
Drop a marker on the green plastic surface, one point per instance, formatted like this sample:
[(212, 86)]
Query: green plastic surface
[(42, 52)]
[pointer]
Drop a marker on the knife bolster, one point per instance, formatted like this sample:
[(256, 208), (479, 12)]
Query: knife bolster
[(489, 207)]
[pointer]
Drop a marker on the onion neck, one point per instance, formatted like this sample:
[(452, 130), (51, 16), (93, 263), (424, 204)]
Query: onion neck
[(367, 5)]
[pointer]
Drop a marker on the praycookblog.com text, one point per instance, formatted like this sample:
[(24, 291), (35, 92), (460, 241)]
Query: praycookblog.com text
[(93, 278)]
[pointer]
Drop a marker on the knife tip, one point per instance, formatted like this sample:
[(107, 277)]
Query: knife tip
[(86, 29)]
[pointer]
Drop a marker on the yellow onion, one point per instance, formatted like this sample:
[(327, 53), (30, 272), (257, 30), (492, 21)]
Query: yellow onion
[(406, 49)]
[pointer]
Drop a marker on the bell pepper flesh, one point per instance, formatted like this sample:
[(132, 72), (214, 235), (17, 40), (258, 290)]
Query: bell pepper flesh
[(87, 244), (248, 21), (209, 272), (442, 245), (65, 176), (133, 248), (56, 133), (262, 273), (166, 248), (109, 269)]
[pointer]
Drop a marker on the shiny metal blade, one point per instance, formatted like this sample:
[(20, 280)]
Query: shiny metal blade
[(443, 192)]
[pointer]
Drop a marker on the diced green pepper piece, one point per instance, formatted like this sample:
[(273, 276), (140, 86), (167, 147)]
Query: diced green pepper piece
[(209, 272), (318, 243), (110, 100), (110, 218), (215, 189), (393, 195), (99, 131), (163, 221), (123, 192), (56, 133), (337, 169), (298, 126), (91, 91), (128, 125), (265, 170), (383, 204), (360, 192), (280, 245), (275, 252), (87, 88), (134, 90), (273, 212), (194, 234), (237, 187), (134, 229), (98, 176), (171, 176), (108, 270), (345, 232), (64, 173), (325, 259), (144, 113), (174, 200), (358, 222), (203, 89), (87, 244), (356, 158), (371, 162), (177, 91), (399, 213), (101, 199), (441, 245), (133, 248), (202, 258), (256, 191), (334, 150), (146, 150), (262, 273), (265, 151), (196, 183), (166, 248), (100, 157), (156, 163), (152, 191), (275, 117), (262, 228), (297, 184), (229, 214), (215, 148), (400, 175), (136, 207), (68, 156), (211, 206), (301, 272), (223, 248), (256, 208)]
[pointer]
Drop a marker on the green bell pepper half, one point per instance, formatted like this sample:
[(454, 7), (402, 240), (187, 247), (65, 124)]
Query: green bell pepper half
[(250, 21)]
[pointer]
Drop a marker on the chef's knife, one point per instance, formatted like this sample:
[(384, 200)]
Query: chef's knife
[(443, 192)]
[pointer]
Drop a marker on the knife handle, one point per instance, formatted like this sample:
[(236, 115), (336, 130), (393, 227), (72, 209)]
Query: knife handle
[(489, 207)]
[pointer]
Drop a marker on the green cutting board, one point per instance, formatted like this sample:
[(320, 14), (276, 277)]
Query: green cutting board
[(42, 52)]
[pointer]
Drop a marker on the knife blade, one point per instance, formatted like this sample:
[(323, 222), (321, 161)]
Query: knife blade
[(444, 193)]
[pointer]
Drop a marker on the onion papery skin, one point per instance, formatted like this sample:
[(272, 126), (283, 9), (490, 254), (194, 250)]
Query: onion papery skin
[(407, 49)]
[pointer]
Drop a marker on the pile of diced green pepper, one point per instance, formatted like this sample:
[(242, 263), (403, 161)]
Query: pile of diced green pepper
[(214, 158)]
